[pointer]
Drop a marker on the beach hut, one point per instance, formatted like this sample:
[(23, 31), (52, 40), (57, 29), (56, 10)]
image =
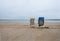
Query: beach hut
[(32, 22), (40, 21)]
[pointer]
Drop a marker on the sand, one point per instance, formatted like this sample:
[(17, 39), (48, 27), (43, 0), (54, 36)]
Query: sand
[(10, 31)]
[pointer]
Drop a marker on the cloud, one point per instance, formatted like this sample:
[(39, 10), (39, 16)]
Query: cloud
[(29, 8)]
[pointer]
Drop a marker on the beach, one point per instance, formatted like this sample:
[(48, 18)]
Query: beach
[(13, 31)]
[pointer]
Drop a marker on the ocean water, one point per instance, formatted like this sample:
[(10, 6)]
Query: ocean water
[(13, 20), (52, 20), (26, 20)]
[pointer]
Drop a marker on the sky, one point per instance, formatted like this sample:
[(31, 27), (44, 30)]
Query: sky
[(18, 9)]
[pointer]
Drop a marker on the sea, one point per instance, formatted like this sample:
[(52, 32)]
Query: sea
[(27, 20)]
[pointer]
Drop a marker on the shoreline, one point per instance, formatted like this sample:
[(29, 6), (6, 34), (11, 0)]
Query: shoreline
[(24, 24)]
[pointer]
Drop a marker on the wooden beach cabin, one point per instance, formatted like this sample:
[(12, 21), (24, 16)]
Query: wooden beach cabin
[(32, 22)]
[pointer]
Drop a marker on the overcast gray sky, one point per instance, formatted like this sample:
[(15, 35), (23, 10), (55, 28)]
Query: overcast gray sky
[(17, 9)]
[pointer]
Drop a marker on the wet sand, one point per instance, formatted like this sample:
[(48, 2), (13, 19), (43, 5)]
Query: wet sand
[(23, 32)]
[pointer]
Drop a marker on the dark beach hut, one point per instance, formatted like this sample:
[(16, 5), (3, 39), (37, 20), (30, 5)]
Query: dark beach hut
[(40, 21)]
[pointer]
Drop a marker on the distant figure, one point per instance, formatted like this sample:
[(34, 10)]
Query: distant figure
[(32, 23), (40, 21)]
